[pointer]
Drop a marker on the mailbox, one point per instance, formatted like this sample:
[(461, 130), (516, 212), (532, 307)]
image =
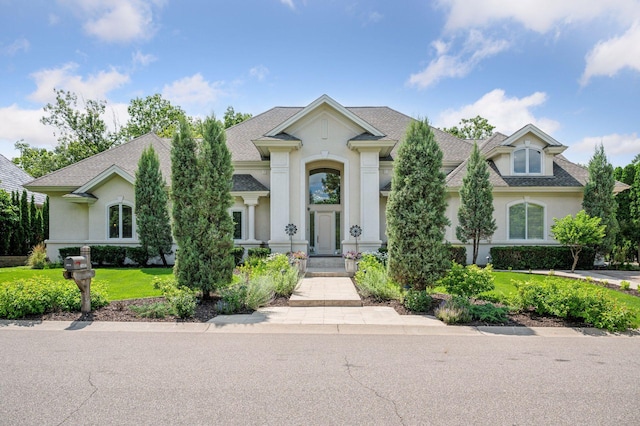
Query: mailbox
[(75, 263)]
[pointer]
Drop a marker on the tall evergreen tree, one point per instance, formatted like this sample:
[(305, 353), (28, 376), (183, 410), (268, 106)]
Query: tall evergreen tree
[(152, 214), (185, 193), (25, 223), (634, 207), (599, 199), (15, 246), (35, 225), (45, 218), (416, 219), (215, 224), (476, 203), (9, 219)]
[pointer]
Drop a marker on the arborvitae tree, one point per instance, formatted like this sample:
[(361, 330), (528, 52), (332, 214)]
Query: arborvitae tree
[(599, 199), (215, 225), (25, 224), (635, 207), (416, 221), (9, 219), (15, 246), (152, 214), (476, 203), (185, 194), (45, 218), (35, 228)]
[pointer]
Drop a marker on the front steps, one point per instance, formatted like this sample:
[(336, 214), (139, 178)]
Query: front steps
[(325, 291), (326, 267)]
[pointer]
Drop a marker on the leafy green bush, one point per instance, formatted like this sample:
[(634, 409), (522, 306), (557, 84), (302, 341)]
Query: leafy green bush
[(40, 295), (625, 285), (372, 280), (454, 311), (575, 300), (259, 252), (38, 257), (138, 255), (68, 251), (181, 300), (232, 299), (277, 266), (108, 255), (539, 257), (152, 310), (417, 300), (468, 281), (238, 254), (259, 292), (458, 254), (488, 312)]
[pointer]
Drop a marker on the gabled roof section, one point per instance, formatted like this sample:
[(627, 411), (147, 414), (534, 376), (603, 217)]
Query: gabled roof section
[(123, 157), (324, 100), (246, 183), (530, 128), (12, 178), (106, 174)]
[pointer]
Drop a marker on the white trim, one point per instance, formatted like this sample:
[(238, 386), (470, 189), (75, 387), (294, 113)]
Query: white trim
[(527, 200), (322, 100), (344, 190), (134, 230), (530, 128), (104, 175)]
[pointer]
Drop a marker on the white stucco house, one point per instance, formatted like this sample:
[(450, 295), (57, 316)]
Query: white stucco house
[(324, 168)]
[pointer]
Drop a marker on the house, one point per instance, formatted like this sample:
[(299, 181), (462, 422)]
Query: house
[(324, 168), (12, 178)]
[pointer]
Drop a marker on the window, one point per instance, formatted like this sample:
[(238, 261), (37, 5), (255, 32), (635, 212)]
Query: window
[(120, 221), (324, 186), (237, 224), (526, 221), (527, 161)]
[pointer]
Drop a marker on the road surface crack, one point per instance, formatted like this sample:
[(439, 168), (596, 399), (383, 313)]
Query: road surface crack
[(95, 389), (369, 388)]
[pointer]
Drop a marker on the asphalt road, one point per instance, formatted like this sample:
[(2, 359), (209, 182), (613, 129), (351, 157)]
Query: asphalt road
[(84, 377)]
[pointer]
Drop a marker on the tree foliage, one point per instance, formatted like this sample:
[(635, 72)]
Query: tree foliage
[(472, 128), (599, 198), (152, 214), (416, 219), (9, 220), (578, 232), (634, 209), (475, 214), (231, 117), (152, 114)]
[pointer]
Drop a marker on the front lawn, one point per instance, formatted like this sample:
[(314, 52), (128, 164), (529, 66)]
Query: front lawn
[(121, 283)]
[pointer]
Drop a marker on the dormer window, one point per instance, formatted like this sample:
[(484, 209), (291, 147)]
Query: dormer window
[(527, 160)]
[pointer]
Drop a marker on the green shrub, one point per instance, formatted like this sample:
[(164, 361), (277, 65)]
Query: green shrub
[(490, 313), (108, 255), (238, 254), (37, 257), (468, 281), (259, 292), (539, 257), (40, 295), (259, 252), (575, 300), (152, 310), (232, 299), (417, 300), (68, 251), (625, 285), (278, 267), (454, 311), (182, 300), (372, 280), (138, 255), (458, 254)]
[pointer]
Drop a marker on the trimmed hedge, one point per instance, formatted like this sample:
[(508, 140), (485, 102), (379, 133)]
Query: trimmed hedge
[(238, 254), (100, 255), (458, 254), (539, 257), (259, 252)]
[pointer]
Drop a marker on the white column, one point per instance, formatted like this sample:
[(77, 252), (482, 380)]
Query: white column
[(370, 198), (279, 199), (251, 221)]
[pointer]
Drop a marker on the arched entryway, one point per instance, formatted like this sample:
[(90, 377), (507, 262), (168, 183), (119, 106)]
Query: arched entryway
[(324, 208)]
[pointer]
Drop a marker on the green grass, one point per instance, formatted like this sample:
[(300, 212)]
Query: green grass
[(121, 283)]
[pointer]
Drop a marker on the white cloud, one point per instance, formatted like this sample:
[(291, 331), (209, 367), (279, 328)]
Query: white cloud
[(95, 86), (506, 114), (289, 3), (118, 21), (140, 58), (15, 47), (260, 72), (194, 90), (620, 149), (475, 48), (609, 57), (374, 17), (17, 123)]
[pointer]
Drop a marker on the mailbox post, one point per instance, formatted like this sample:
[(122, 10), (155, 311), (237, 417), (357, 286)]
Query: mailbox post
[(79, 269)]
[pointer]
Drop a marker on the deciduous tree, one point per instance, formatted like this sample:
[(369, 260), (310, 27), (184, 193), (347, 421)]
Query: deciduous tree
[(578, 232), (476, 203), (152, 114), (416, 219), (472, 128), (231, 117)]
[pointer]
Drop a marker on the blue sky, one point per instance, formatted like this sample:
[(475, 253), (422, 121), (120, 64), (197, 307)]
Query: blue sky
[(571, 67)]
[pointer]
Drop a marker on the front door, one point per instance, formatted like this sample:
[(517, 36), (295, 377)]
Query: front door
[(324, 232)]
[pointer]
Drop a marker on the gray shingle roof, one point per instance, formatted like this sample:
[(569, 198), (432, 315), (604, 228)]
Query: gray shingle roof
[(125, 156), (12, 178), (245, 183)]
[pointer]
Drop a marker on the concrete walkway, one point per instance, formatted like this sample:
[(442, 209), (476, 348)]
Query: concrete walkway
[(325, 291)]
